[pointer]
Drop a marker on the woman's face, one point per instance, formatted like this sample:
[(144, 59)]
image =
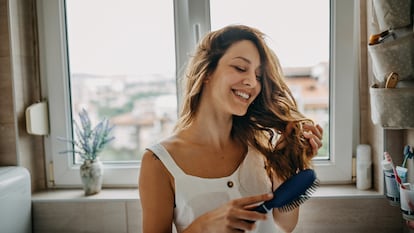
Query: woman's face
[(235, 83)]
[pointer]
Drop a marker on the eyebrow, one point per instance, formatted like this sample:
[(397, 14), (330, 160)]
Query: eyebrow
[(243, 58)]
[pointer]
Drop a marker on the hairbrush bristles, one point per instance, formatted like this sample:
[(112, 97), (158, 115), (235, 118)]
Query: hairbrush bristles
[(301, 199), (292, 193)]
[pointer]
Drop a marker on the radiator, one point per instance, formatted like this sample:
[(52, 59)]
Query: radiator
[(15, 200)]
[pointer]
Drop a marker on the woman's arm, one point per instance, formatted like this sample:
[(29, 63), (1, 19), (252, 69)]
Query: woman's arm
[(156, 195), (286, 221)]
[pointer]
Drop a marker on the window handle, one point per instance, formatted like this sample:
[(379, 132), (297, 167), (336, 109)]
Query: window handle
[(197, 32)]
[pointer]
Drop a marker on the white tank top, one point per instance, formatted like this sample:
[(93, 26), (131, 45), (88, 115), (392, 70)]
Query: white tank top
[(195, 196)]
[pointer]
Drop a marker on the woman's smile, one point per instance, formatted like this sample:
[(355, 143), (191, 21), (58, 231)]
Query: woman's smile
[(242, 94)]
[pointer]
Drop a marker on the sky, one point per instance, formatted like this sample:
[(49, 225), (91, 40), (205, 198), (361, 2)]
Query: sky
[(136, 37), (298, 30)]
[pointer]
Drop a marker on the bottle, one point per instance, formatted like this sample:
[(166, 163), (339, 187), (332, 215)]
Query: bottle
[(364, 167)]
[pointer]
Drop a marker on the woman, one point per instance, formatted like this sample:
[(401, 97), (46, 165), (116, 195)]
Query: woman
[(238, 137)]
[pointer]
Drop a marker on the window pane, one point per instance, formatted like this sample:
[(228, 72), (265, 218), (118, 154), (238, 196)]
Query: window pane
[(122, 67), (300, 38)]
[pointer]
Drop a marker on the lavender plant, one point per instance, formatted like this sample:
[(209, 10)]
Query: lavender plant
[(89, 141)]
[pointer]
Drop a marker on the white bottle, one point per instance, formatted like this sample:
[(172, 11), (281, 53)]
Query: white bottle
[(364, 167)]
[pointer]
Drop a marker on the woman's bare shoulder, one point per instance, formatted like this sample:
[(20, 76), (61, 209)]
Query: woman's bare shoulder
[(156, 190), (153, 170), (174, 144), (151, 159)]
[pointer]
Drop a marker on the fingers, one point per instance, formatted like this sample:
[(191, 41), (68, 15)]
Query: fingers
[(241, 225), (320, 130), (315, 146), (235, 216), (316, 130), (252, 200), (314, 134), (244, 210)]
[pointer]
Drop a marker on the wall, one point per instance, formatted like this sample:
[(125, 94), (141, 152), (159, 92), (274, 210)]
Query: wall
[(70, 212), (19, 87), (77, 215), (7, 126)]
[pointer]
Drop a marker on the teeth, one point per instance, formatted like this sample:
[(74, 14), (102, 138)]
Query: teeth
[(242, 94)]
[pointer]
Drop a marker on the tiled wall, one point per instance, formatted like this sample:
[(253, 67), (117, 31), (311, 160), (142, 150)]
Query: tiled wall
[(349, 215), (78, 217), (19, 87), (327, 215), (7, 124)]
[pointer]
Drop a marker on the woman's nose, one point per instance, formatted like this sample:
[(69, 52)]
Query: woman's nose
[(250, 80)]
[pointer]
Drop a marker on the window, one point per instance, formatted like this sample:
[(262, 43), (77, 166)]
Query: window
[(121, 60), (117, 60), (124, 73)]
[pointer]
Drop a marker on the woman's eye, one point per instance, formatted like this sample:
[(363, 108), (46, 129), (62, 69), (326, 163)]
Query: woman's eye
[(238, 68)]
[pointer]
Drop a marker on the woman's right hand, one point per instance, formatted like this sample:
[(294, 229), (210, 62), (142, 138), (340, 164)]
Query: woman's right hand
[(235, 216)]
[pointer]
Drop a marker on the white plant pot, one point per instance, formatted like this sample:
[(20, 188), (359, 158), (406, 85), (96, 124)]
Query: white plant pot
[(91, 173)]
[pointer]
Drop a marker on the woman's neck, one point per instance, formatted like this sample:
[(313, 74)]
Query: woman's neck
[(210, 129)]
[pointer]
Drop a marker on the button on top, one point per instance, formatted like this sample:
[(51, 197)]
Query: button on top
[(230, 184)]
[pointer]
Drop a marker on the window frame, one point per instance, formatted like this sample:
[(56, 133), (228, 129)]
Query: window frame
[(344, 96), (192, 20)]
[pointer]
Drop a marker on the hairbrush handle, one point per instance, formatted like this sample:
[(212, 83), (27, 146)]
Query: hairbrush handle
[(261, 209)]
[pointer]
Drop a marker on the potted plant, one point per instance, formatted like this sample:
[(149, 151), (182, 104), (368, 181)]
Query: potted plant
[(88, 142)]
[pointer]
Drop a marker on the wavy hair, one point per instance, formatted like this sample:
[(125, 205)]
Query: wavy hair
[(273, 123)]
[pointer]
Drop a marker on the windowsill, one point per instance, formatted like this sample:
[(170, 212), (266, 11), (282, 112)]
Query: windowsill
[(344, 191), (77, 195), (131, 194)]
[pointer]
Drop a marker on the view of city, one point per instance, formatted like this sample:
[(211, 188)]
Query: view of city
[(145, 111), (141, 111)]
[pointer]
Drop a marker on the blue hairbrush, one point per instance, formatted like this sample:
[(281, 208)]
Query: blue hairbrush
[(291, 193)]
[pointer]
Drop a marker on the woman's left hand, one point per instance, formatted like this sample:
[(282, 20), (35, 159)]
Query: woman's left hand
[(314, 134)]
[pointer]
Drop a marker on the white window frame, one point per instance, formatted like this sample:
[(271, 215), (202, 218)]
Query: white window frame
[(344, 95), (192, 20)]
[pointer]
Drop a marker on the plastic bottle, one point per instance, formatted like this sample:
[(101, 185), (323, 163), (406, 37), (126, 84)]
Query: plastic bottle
[(364, 167)]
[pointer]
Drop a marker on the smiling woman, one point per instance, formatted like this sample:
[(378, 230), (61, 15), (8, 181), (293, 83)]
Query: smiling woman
[(231, 123)]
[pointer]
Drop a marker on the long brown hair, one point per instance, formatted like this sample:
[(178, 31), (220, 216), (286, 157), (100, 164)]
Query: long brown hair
[(273, 123)]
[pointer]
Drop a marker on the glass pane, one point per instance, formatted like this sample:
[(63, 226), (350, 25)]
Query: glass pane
[(122, 67), (298, 31)]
